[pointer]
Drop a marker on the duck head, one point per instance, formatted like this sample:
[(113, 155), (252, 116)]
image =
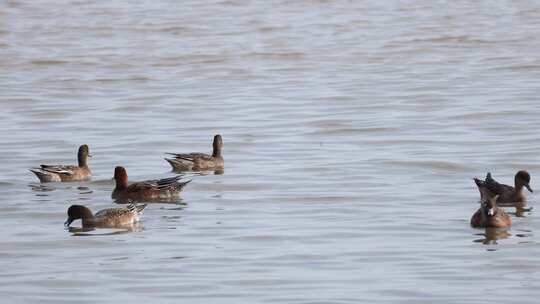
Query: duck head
[(121, 177), (76, 212), (82, 155), (217, 145), (491, 205), (522, 179)]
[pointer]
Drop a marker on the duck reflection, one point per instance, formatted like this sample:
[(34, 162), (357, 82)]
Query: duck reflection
[(207, 172), (522, 212), (41, 188), (175, 202), (85, 231), (492, 235)]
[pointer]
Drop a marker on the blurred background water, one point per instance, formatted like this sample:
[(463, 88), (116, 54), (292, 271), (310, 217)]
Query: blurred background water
[(352, 131)]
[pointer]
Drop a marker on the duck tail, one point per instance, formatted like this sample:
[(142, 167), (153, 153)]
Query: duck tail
[(480, 183), (177, 164), (140, 208), (134, 208), (183, 184), (43, 176), (34, 170)]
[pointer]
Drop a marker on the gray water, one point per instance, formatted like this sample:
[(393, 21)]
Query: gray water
[(352, 131)]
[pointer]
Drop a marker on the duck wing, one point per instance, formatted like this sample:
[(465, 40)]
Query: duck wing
[(157, 184), (111, 212), (191, 156), (496, 187), (118, 212), (166, 183), (171, 183), (140, 186), (58, 169)]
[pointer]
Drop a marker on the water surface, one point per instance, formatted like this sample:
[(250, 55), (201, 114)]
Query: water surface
[(352, 131)]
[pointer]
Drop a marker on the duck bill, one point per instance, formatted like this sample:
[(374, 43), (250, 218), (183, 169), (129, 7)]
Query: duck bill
[(68, 222), (528, 188)]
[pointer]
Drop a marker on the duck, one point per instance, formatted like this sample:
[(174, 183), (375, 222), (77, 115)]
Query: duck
[(66, 173), (106, 218), (199, 161), (489, 215), (508, 196), (165, 189)]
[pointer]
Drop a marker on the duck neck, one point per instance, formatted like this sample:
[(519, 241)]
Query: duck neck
[(216, 152), (121, 183), (518, 185), (87, 216), (82, 160)]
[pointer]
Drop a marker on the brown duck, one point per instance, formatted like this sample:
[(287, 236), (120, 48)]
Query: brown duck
[(508, 196), (106, 218), (490, 215), (199, 161), (66, 173), (165, 189)]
